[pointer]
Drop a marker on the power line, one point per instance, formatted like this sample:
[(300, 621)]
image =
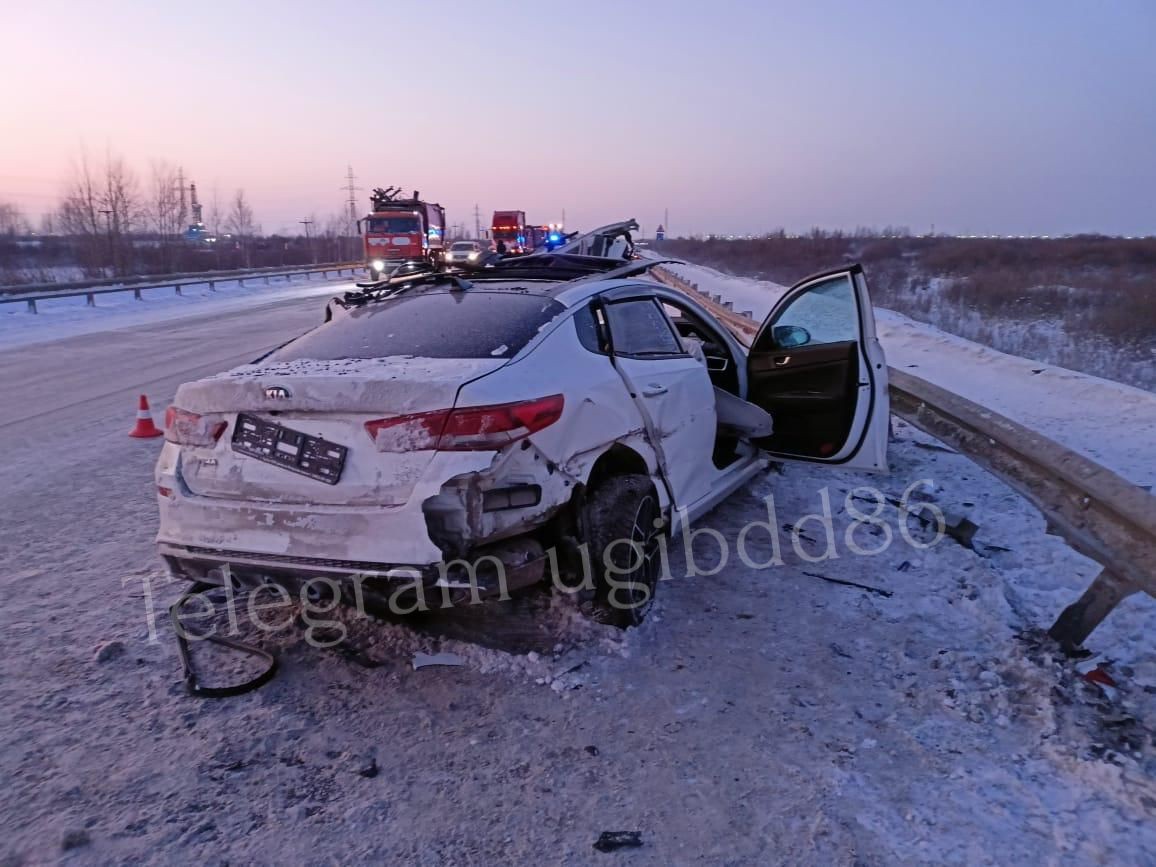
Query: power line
[(351, 188)]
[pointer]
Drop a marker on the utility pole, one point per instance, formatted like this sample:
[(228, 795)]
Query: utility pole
[(111, 248), (477, 223), (351, 188), (308, 240)]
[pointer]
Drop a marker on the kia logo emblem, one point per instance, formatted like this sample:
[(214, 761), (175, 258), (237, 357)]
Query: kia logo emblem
[(276, 392)]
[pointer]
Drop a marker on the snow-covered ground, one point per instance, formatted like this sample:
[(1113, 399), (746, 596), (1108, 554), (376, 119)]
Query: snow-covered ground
[(1113, 424), (765, 715)]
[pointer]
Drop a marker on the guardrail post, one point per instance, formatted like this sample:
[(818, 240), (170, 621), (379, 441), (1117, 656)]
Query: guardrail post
[(177, 287), (136, 294), (1077, 621), (90, 299), (267, 279), (240, 281), (212, 285), (32, 306)]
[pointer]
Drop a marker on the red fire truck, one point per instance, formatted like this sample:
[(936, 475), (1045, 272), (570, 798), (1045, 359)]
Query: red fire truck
[(517, 236), (400, 230), (509, 230)]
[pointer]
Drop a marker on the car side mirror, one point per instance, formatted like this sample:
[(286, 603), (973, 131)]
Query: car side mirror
[(790, 336)]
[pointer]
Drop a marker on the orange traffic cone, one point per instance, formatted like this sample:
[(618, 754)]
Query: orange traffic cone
[(144, 422)]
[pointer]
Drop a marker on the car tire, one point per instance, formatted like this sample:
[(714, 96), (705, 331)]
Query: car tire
[(623, 509)]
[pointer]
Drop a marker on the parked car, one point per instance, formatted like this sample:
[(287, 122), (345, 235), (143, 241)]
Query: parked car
[(439, 437)]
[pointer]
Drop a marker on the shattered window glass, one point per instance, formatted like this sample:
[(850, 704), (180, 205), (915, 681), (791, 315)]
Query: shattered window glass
[(640, 328)]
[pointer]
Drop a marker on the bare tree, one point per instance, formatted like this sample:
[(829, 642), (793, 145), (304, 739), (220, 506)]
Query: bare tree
[(215, 213), (102, 212), (12, 220), (121, 200), (80, 216), (166, 211), (239, 223), (332, 237)]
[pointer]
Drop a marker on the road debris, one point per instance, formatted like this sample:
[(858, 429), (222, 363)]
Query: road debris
[(74, 839), (107, 651), (877, 590), (961, 529), (424, 660), (609, 841), (934, 447), (368, 770)]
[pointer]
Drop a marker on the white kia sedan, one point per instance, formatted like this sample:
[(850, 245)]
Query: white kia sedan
[(438, 440)]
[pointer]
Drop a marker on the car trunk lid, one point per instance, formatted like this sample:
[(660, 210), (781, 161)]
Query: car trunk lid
[(327, 400)]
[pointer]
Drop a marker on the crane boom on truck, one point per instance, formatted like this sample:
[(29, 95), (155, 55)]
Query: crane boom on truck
[(399, 231)]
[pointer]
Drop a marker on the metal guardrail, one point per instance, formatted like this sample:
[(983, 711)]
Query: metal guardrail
[(1097, 512), (90, 289)]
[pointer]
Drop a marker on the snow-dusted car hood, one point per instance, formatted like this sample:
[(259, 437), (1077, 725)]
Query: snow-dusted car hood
[(398, 384)]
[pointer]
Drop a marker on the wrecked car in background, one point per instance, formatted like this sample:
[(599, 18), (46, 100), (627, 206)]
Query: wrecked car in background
[(445, 438)]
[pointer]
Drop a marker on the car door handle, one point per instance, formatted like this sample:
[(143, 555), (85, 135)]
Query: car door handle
[(782, 361), (653, 390)]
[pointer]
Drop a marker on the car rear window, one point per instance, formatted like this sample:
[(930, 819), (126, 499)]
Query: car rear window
[(437, 324)]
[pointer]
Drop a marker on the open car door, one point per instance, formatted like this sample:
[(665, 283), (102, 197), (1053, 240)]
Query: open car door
[(817, 367)]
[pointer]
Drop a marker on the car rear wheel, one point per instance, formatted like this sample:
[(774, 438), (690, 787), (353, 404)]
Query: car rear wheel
[(621, 524)]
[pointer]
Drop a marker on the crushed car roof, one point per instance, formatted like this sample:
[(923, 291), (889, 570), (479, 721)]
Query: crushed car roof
[(567, 278)]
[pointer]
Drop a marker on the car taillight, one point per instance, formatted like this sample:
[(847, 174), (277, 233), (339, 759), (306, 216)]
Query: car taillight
[(189, 429), (472, 428)]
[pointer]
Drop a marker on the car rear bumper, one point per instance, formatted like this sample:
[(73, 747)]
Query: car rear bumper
[(289, 533), (312, 534), (198, 563), (366, 587)]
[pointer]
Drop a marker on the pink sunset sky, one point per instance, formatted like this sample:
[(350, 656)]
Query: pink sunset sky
[(1032, 117)]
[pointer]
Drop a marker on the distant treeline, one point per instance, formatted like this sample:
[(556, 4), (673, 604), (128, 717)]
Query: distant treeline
[(112, 220)]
